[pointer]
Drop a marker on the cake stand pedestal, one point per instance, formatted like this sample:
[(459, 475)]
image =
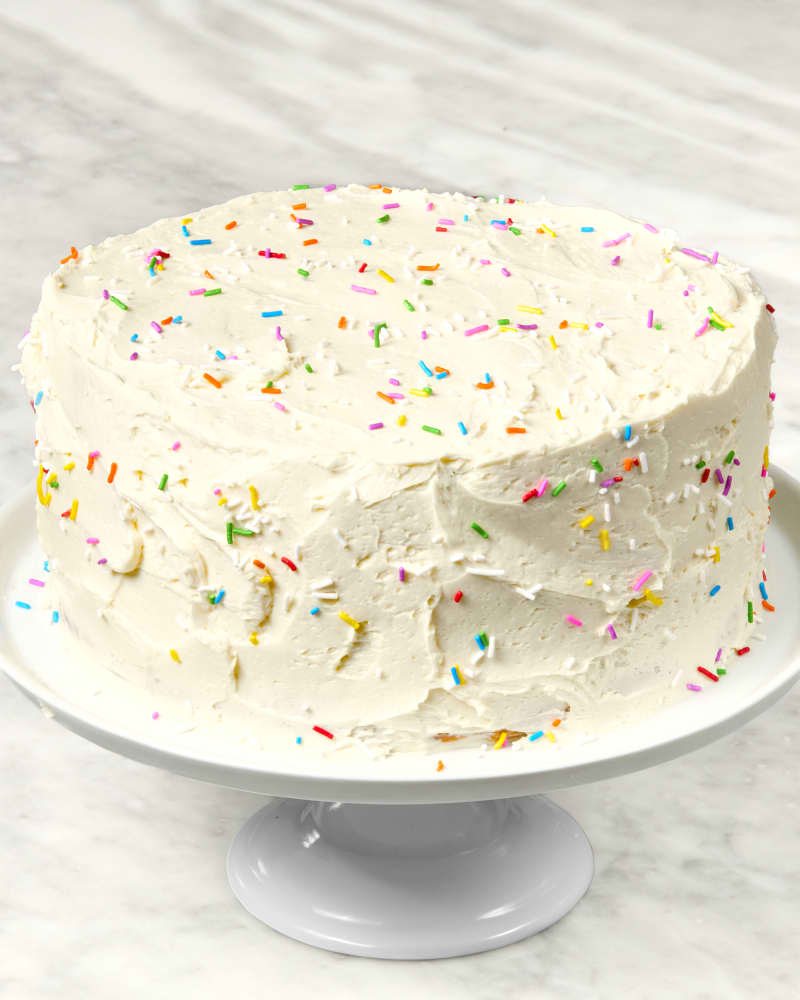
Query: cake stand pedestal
[(410, 881), (392, 858)]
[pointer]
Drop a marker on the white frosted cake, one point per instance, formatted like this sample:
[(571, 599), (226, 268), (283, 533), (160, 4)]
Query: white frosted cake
[(390, 468)]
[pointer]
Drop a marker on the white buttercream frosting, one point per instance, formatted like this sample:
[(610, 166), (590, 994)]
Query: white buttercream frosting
[(429, 361)]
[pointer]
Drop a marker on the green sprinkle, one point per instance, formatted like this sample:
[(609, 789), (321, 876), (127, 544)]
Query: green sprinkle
[(116, 301), (750, 611), (302, 270), (721, 671), (557, 489), (163, 482), (300, 187), (484, 637), (479, 529), (716, 325), (433, 430), (408, 305), (379, 327), (427, 390), (242, 531), (269, 385), (729, 457), (384, 218), (309, 368), (229, 532), (597, 465), (427, 281), (658, 326), (700, 464), (376, 337), (503, 322), (515, 230), (212, 291)]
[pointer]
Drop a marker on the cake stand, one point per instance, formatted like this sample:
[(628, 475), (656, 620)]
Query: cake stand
[(394, 858)]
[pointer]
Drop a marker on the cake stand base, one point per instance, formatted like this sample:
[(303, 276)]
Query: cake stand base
[(410, 881)]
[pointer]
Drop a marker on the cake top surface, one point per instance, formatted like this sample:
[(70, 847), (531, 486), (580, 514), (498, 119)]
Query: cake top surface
[(406, 326)]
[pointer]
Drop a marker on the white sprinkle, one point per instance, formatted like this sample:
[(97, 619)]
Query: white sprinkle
[(485, 572), (643, 461), (490, 650), (607, 510)]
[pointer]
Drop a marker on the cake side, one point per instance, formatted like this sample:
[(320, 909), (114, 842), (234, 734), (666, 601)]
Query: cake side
[(332, 597)]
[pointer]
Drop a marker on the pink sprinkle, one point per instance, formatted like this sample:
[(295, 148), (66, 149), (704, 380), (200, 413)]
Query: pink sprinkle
[(376, 427), (715, 258), (505, 271), (278, 334), (94, 454), (92, 541), (611, 631), (155, 715), (197, 291), (429, 207), (394, 381), (401, 573), (598, 325), (329, 187), (500, 225), (134, 356), (36, 583), (615, 261), (772, 396), (447, 222), (727, 489), (484, 261), (694, 253), (649, 319), (395, 395), (572, 620), (102, 562), (694, 687), (476, 329), (366, 291), (393, 204), (156, 326), (217, 492), (105, 293), (641, 580), (617, 241), (279, 406), (424, 334), (527, 326), (649, 228), (703, 328), (716, 658), (763, 472), (541, 486), (176, 446)]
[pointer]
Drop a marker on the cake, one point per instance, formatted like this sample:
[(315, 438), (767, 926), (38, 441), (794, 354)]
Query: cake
[(387, 468)]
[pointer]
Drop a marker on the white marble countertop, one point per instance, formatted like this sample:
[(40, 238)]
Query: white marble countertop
[(112, 880)]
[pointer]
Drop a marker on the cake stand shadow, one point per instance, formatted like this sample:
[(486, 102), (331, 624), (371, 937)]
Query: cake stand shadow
[(393, 859)]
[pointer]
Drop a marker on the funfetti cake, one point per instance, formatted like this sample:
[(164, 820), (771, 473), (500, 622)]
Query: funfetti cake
[(390, 467)]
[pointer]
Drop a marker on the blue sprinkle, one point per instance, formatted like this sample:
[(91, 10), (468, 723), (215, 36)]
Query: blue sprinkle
[(46, 565), (501, 221), (314, 611), (535, 736), (763, 590), (461, 427), (178, 319), (23, 604), (466, 218), (199, 243), (38, 399), (299, 739), (584, 229), (441, 375), (135, 337), (627, 432), (220, 355), (367, 243), (55, 617), (454, 672), (714, 590), (273, 312), (480, 642), (487, 377), (184, 230), (425, 368), (218, 597), (730, 523)]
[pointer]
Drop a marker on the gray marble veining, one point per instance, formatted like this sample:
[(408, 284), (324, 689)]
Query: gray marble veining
[(112, 874)]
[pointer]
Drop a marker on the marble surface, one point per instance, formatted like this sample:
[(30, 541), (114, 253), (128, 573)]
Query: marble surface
[(112, 878)]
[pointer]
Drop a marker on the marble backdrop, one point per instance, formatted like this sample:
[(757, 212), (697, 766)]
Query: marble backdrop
[(112, 114)]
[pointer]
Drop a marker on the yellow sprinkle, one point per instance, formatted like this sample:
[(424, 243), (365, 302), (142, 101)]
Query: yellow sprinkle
[(221, 501), (588, 583), (418, 392), (235, 675), (254, 638), (531, 309), (501, 739), (350, 621), (266, 578), (651, 597), (459, 674), (68, 466), (765, 460), (587, 521), (580, 326), (43, 500), (73, 510), (402, 419), (716, 553), (547, 229), (174, 654), (718, 319), (52, 480), (385, 276), (558, 414), (253, 497), (550, 736), (553, 343), (185, 221), (604, 540)]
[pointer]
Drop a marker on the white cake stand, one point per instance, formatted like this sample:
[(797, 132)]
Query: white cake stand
[(394, 859)]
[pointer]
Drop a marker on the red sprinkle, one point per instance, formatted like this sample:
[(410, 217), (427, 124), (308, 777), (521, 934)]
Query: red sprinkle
[(441, 229), (770, 308), (529, 495), (743, 650), (289, 563), (458, 595), (322, 732), (363, 268), (706, 474), (707, 673)]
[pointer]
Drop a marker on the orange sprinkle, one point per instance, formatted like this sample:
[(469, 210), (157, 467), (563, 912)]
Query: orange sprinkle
[(231, 224), (427, 267), (556, 722), (516, 430), (440, 766), (300, 204), (485, 385), (767, 605), (208, 274), (261, 565), (272, 390), (387, 398), (307, 243), (771, 494), (387, 190), (627, 465), (112, 472), (167, 321), (439, 368), (375, 187), (72, 255), (214, 381), (563, 324), (90, 462), (342, 322)]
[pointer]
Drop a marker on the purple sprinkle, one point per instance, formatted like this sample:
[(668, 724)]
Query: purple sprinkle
[(366, 291), (720, 477), (649, 228), (527, 326), (611, 631), (197, 291), (278, 334), (505, 271), (694, 253), (736, 461), (329, 187), (36, 583), (476, 329), (376, 427), (393, 204), (134, 356), (607, 482), (102, 561), (401, 572), (716, 658), (92, 541), (394, 381), (649, 319), (424, 334), (305, 222), (156, 326), (617, 241), (694, 687), (727, 486), (615, 261), (105, 293)]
